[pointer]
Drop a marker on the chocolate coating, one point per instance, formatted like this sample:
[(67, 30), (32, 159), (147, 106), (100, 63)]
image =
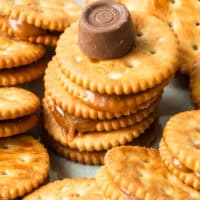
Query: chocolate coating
[(106, 30)]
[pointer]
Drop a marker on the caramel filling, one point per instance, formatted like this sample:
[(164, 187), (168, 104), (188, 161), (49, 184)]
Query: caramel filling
[(101, 101), (71, 124), (74, 126), (21, 29)]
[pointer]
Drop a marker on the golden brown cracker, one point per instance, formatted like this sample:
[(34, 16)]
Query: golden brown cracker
[(73, 124), (152, 61), (105, 102), (48, 14), (17, 126), (139, 172), (95, 141), (181, 135), (186, 175), (24, 166), (71, 189), (28, 73), (57, 95), (17, 53), (17, 102)]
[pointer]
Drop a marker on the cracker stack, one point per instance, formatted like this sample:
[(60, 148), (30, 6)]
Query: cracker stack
[(179, 147), (92, 105), (24, 162), (20, 61), (38, 22)]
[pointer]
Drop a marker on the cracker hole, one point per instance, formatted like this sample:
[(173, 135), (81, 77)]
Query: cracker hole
[(25, 159), (152, 52), (197, 24), (195, 47), (139, 34), (173, 1)]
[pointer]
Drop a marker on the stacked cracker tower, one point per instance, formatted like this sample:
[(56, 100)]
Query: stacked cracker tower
[(27, 29), (20, 154), (102, 89), (23, 23)]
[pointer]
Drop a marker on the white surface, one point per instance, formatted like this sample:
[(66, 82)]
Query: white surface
[(175, 99)]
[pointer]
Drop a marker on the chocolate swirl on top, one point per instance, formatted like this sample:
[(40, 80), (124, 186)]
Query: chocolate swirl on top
[(106, 30)]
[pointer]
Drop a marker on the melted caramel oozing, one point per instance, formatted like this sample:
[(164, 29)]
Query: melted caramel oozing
[(21, 29), (71, 124)]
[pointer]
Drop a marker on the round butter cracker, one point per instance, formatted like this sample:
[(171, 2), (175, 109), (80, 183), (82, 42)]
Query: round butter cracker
[(17, 102), (151, 61), (48, 14), (139, 173), (17, 126), (71, 189), (186, 175), (184, 141), (24, 74), (17, 53), (95, 141), (24, 166)]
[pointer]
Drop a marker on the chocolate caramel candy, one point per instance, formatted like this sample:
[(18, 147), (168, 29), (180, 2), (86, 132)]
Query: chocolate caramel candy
[(106, 30)]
